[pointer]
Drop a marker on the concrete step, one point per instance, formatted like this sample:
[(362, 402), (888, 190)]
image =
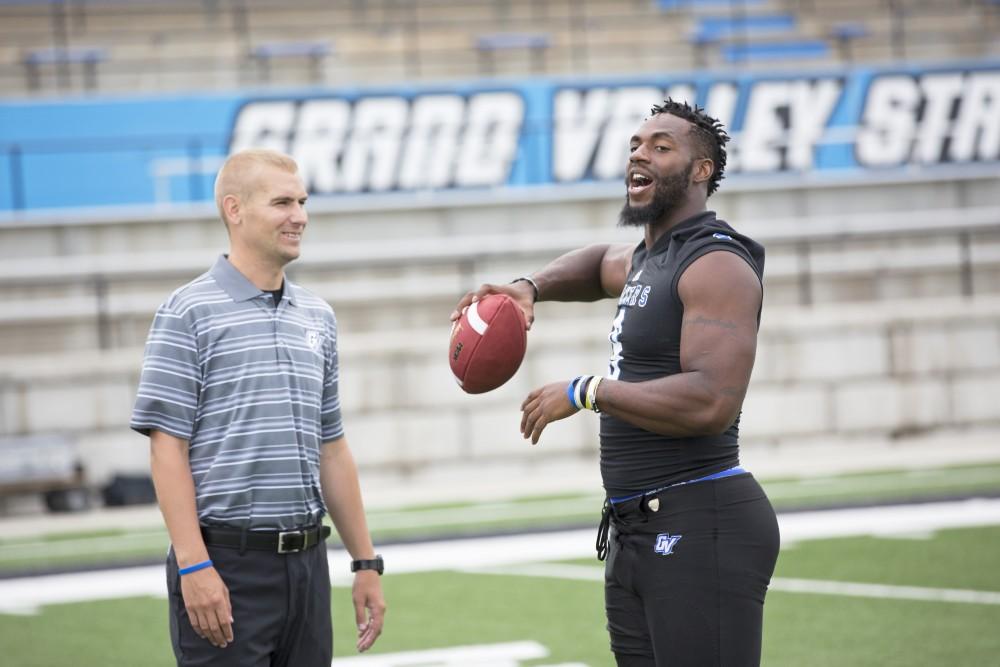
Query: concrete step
[(862, 370)]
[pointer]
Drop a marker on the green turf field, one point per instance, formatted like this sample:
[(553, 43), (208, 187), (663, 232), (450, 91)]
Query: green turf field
[(23, 555), (446, 609)]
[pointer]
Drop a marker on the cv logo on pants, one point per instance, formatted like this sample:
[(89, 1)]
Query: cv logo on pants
[(665, 543)]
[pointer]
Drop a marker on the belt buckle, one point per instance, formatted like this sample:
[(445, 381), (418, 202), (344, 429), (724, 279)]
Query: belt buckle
[(301, 543)]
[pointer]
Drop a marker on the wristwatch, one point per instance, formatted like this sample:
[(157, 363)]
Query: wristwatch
[(377, 564)]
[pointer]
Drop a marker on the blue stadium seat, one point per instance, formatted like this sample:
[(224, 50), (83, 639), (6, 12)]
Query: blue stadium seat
[(68, 55), (850, 30), (709, 28), (667, 5), (292, 50), (787, 50), (512, 40)]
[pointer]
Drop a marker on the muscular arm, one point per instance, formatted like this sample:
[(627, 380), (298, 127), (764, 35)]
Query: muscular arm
[(205, 595), (722, 297), (588, 274), (342, 494)]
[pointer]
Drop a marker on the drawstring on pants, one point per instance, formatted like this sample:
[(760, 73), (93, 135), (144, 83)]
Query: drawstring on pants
[(602, 531)]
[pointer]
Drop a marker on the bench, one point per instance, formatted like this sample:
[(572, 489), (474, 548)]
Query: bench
[(62, 59), (488, 45), (314, 52), (710, 28), (846, 33), (785, 50), (670, 5)]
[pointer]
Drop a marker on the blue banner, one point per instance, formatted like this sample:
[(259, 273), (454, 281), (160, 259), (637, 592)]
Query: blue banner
[(105, 151)]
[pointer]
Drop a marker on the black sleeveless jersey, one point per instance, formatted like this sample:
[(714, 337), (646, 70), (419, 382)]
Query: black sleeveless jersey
[(645, 345)]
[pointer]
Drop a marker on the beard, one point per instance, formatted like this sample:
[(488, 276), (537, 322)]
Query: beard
[(670, 193)]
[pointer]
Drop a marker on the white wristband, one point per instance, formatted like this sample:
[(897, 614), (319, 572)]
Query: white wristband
[(530, 281)]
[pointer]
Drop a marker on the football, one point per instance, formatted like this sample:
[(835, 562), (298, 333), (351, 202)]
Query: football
[(487, 343)]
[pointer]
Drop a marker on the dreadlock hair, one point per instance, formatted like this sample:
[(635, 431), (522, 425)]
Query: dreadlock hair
[(709, 137)]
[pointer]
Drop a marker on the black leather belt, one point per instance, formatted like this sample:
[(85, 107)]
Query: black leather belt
[(284, 542)]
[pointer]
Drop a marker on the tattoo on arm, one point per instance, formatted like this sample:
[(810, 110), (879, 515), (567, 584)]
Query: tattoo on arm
[(722, 324), (728, 327)]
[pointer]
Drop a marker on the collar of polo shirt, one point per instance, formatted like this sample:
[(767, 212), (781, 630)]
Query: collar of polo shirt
[(236, 284)]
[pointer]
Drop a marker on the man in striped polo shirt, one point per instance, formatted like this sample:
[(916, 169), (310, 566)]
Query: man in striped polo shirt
[(239, 397)]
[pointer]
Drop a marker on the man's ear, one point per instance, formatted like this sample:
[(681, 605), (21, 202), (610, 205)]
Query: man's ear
[(703, 170), (232, 209)]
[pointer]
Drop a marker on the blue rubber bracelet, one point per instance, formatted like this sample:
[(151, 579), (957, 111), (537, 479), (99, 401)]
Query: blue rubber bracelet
[(194, 568), (570, 391)]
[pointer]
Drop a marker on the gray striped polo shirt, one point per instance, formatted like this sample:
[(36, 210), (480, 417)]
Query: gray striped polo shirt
[(252, 388)]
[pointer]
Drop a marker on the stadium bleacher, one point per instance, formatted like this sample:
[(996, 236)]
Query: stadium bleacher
[(853, 311), (197, 44)]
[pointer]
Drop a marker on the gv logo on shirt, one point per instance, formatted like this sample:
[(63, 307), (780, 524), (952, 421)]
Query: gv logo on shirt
[(665, 543), (313, 339)]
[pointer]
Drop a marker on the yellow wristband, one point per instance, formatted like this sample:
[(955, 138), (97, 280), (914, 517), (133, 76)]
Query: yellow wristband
[(592, 386)]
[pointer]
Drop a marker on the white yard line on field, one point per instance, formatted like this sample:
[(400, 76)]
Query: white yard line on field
[(888, 521), (27, 594), (884, 591), (785, 585), (105, 544), (922, 480)]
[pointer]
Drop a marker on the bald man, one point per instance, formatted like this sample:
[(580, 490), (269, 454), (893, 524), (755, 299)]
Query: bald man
[(239, 397)]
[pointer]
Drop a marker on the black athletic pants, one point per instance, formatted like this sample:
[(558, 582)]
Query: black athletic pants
[(281, 610), (686, 574)]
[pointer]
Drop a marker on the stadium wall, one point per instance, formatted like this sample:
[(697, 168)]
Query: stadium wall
[(505, 133)]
